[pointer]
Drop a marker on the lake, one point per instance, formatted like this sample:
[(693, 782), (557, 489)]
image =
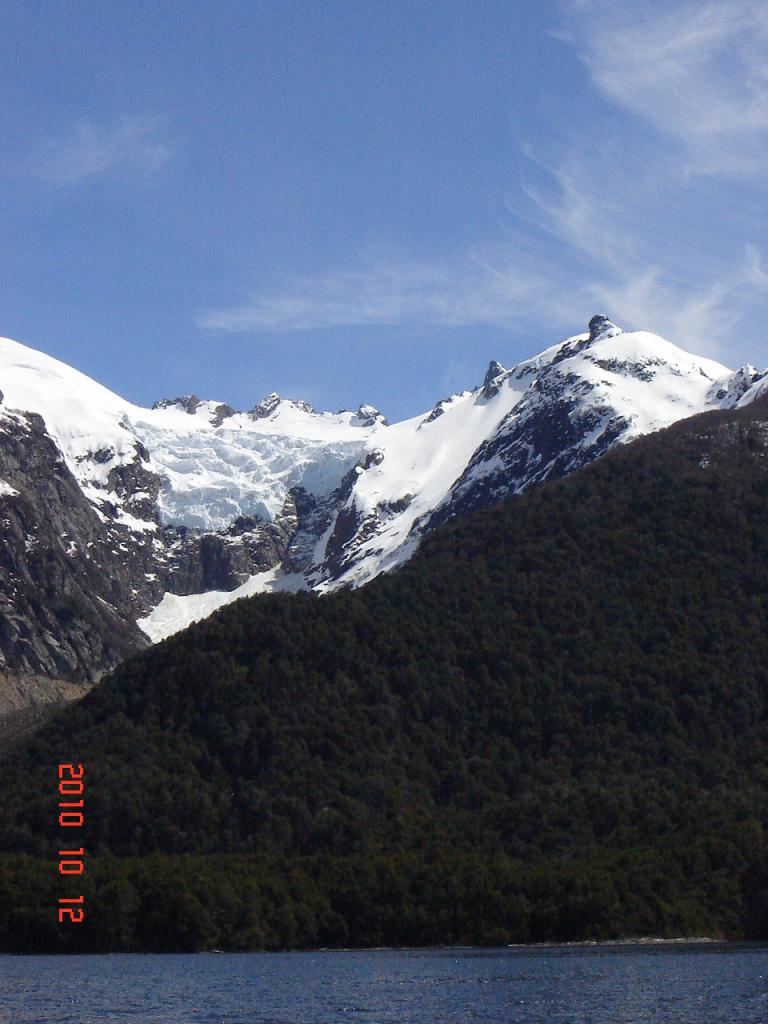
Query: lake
[(622, 984)]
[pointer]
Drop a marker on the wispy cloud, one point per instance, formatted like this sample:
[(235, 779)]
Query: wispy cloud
[(611, 215), (693, 78), (696, 72), (382, 293), (576, 262), (601, 247), (701, 320), (133, 146)]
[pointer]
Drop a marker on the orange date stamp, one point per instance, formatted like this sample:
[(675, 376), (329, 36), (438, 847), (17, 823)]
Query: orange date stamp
[(71, 816)]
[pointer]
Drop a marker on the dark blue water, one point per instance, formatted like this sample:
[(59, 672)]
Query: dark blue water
[(597, 985)]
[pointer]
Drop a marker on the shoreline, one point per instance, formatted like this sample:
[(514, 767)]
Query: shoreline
[(644, 941)]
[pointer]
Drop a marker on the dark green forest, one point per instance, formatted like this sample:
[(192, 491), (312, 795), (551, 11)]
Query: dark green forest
[(549, 725)]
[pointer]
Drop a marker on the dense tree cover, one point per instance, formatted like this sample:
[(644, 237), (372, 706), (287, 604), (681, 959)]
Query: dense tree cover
[(185, 902), (551, 724)]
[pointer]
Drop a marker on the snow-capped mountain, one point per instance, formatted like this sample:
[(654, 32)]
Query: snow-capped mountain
[(544, 418), (121, 523)]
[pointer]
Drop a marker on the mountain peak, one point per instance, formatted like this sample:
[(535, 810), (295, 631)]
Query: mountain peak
[(368, 416), (600, 326), (272, 402), (494, 378), (494, 369), (188, 403), (266, 406)]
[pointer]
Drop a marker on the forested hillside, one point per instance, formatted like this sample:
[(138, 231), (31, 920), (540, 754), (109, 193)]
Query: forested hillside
[(550, 724)]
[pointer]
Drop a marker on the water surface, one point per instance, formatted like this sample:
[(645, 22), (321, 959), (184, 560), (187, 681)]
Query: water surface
[(707, 984)]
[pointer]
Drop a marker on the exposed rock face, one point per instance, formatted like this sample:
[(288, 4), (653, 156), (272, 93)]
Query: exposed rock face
[(66, 603), (191, 404), (733, 390), (269, 405), (494, 370), (188, 403), (600, 325), (438, 411), (265, 407), (369, 415), (494, 378), (541, 439), (194, 562), (73, 580)]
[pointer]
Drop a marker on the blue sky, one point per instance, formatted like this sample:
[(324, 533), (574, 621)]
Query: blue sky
[(368, 200)]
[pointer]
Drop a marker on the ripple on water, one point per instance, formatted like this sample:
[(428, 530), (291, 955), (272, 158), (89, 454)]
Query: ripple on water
[(708, 984)]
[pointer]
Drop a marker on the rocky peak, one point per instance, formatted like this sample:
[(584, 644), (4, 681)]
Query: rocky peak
[(265, 407), (192, 405), (188, 403), (600, 326), (494, 369), (269, 405), (492, 380), (731, 389), (438, 411), (221, 413), (369, 416), (303, 406)]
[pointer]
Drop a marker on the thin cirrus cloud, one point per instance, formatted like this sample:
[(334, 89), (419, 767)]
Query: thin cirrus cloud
[(694, 71), (694, 74), (573, 254), (381, 293), (132, 146), (518, 279), (587, 235), (612, 263)]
